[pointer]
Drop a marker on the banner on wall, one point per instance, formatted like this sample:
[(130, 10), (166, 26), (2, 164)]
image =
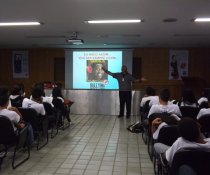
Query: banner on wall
[(178, 64), (20, 64)]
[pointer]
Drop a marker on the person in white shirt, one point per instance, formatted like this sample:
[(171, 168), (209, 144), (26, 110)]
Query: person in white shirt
[(204, 98), (149, 94), (188, 99), (204, 111), (164, 106), (35, 102), (12, 113), (190, 137), (16, 97)]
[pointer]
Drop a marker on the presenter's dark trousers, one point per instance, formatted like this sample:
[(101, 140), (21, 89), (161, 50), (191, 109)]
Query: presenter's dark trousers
[(125, 99)]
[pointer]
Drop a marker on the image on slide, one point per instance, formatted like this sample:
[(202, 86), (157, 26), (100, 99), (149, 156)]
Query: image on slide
[(95, 72)]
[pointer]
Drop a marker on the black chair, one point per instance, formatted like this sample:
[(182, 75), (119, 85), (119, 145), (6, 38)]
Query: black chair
[(17, 102), (143, 113), (188, 111), (168, 135), (204, 104), (62, 113), (205, 124), (197, 159), (39, 124), (9, 138), (52, 116)]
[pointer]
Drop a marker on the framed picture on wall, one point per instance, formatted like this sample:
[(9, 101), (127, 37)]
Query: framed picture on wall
[(178, 64), (20, 64)]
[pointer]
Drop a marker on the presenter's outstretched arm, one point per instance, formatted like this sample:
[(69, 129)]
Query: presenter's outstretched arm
[(106, 71)]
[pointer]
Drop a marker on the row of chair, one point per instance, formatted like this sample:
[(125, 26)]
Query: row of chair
[(168, 135), (41, 125)]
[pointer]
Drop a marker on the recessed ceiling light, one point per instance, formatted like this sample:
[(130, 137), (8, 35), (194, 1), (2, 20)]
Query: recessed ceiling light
[(202, 20), (19, 23), (114, 21)]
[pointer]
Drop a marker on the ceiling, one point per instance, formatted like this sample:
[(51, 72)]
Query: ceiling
[(61, 18)]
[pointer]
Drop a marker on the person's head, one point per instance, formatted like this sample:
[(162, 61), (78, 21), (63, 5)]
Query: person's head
[(37, 93), (164, 95), (124, 69), (98, 71), (56, 92), (16, 90), (150, 91), (4, 97), (189, 129), (188, 96)]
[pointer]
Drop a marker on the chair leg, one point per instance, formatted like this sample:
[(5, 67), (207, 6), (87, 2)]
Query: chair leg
[(21, 162)]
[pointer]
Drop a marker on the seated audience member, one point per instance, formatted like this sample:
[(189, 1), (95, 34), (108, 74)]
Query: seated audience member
[(44, 98), (188, 99), (204, 97), (12, 113), (35, 102), (149, 93), (204, 111), (154, 100), (164, 106), (162, 121), (16, 97), (56, 94), (190, 137)]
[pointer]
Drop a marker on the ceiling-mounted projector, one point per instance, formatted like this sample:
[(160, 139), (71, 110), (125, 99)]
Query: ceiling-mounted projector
[(75, 41)]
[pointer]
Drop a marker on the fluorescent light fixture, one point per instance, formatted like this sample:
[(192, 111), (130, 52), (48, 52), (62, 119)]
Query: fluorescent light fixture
[(114, 21), (75, 41), (19, 23), (202, 20)]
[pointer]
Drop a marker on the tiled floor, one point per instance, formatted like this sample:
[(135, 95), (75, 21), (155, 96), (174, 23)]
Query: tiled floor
[(94, 145)]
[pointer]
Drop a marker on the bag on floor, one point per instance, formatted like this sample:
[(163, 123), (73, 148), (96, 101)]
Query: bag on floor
[(135, 128)]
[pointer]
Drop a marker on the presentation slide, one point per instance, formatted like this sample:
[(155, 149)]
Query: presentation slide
[(88, 72)]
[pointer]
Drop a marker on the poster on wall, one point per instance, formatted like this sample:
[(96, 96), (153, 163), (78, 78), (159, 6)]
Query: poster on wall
[(178, 64), (20, 64)]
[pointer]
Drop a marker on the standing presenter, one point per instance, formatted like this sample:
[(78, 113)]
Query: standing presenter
[(125, 81)]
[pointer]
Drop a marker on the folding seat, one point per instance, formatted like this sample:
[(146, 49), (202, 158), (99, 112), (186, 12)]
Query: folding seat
[(10, 138), (39, 124), (188, 111), (195, 158)]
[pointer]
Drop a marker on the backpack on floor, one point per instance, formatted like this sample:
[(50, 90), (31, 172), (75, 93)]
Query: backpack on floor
[(135, 128)]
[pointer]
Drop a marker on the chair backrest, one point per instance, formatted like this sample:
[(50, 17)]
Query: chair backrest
[(168, 134), (58, 104), (17, 102), (48, 108), (205, 123), (7, 134), (188, 111), (195, 158), (30, 116), (204, 105)]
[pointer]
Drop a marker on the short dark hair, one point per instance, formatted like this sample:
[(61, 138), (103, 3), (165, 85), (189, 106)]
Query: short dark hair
[(165, 95), (4, 96), (56, 92), (150, 91), (16, 90), (189, 129), (37, 92)]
